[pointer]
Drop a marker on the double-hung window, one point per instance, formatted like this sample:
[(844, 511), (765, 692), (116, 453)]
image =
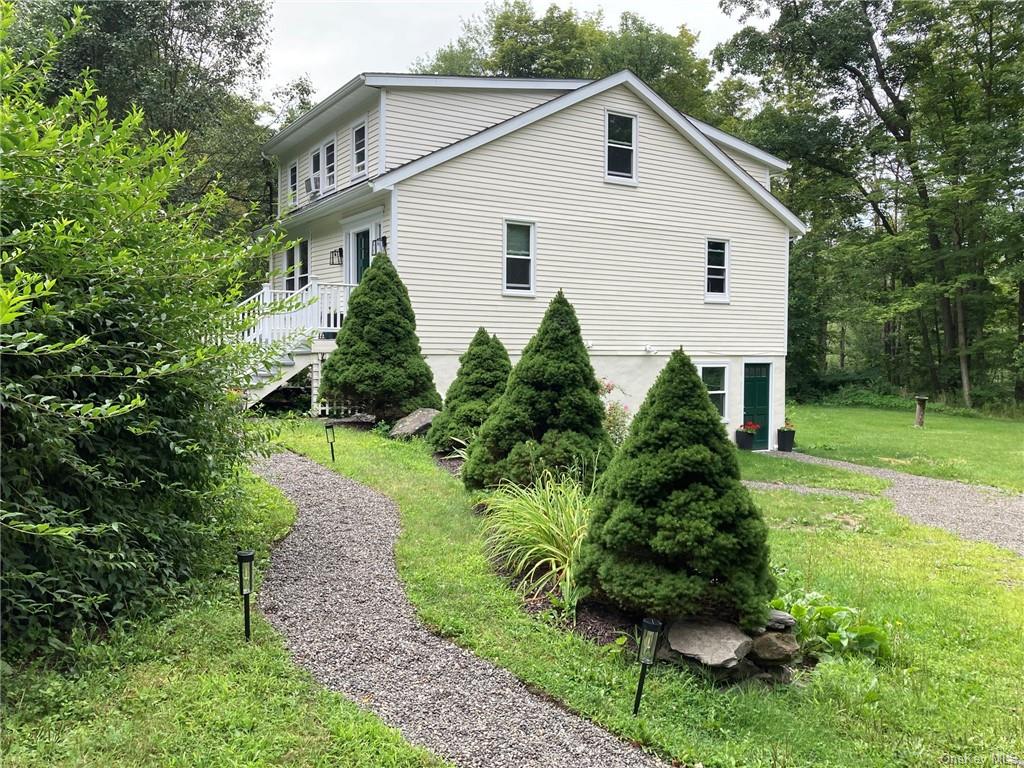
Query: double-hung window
[(296, 265), (519, 255), (620, 147), (314, 170), (329, 165), (359, 150), (293, 183), (716, 278), (715, 378)]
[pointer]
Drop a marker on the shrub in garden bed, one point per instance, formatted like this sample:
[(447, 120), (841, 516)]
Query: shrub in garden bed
[(378, 365), (674, 531), (483, 372), (550, 415)]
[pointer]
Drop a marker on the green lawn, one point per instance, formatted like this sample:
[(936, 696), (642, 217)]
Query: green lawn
[(772, 469), (188, 691), (973, 450), (953, 608)]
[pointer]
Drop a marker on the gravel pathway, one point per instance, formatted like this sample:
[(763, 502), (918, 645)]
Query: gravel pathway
[(333, 592), (975, 512)]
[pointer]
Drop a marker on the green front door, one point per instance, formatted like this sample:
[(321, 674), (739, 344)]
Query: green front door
[(757, 400), (362, 253)]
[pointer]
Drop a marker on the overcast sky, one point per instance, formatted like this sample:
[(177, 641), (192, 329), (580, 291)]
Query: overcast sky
[(334, 40)]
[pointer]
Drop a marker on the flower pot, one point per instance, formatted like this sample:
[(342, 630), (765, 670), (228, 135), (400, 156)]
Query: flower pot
[(744, 440), (785, 438)]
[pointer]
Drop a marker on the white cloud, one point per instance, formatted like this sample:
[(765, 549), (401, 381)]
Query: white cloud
[(334, 40)]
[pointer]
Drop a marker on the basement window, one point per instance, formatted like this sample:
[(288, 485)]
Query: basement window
[(715, 378)]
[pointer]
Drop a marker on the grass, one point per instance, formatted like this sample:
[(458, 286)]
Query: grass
[(977, 450), (952, 608), (186, 690), (774, 469)]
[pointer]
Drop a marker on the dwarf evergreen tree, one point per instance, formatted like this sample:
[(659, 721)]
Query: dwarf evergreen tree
[(483, 373), (378, 365), (674, 532), (550, 416)]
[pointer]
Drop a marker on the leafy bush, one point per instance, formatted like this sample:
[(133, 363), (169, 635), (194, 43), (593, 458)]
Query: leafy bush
[(550, 415), (120, 428), (481, 378), (824, 628), (616, 415), (536, 533), (377, 365), (674, 531)]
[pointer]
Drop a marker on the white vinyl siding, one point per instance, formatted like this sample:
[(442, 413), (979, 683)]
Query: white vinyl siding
[(421, 120), (632, 260)]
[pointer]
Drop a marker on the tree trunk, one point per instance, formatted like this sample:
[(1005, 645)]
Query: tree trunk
[(842, 347), (926, 350), (961, 336)]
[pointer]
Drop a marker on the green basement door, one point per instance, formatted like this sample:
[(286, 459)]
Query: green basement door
[(757, 401)]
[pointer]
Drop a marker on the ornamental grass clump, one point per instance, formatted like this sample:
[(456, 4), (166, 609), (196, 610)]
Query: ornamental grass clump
[(377, 365), (536, 534), (481, 378), (550, 415), (674, 531)]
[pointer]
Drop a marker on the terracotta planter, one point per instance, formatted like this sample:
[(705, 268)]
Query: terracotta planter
[(744, 440), (785, 439)]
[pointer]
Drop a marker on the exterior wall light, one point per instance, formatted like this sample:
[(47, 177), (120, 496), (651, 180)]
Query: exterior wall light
[(245, 563), (650, 631), (337, 257), (329, 432)]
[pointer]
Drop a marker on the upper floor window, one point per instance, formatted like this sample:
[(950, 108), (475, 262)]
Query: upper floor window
[(620, 152), (359, 150), (715, 378), (519, 246), (314, 171), (716, 280), (329, 165), (293, 183)]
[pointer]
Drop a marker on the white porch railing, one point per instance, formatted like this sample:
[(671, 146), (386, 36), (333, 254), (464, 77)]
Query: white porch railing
[(315, 310)]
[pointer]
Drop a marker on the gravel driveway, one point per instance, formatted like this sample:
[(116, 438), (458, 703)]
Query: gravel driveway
[(333, 592), (972, 511)]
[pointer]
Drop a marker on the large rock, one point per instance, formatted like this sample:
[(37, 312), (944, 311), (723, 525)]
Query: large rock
[(416, 423), (354, 421), (775, 648), (780, 620), (711, 642)]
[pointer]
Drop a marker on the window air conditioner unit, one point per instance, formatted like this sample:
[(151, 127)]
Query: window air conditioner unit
[(313, 186)]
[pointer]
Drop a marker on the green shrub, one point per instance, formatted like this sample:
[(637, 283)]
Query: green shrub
[(377, 365), (550, 415), (119, 426), (481, 378), (674, 531), (536, 533), (824, 628)]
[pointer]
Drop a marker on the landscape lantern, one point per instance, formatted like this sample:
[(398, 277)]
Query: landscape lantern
[(245, 567), (329, 432), (650, 631)]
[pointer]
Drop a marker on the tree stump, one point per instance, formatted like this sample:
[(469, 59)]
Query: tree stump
[(919, 415)]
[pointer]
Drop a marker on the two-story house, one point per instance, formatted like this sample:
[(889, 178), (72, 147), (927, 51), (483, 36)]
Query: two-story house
[(491, 194)]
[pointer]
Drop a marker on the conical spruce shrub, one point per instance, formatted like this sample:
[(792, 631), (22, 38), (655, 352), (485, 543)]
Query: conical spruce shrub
[(483, 373), (550, 416), (378, 365), (674, 532)]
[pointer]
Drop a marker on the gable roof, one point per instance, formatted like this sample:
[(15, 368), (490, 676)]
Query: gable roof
[(681, 122)]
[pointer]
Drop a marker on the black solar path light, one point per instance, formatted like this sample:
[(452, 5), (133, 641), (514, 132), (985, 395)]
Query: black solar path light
[(650, 630), (245, 562), (329, 432)]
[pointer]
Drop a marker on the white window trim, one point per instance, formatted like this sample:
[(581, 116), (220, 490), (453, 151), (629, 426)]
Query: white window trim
[(364, 124), (324, 186), (630, 181), (717, 298), (505, 290), (292, 195), (368, 220), (701, 365)]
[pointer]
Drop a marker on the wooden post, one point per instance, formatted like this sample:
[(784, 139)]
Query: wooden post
[(919, 415)]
